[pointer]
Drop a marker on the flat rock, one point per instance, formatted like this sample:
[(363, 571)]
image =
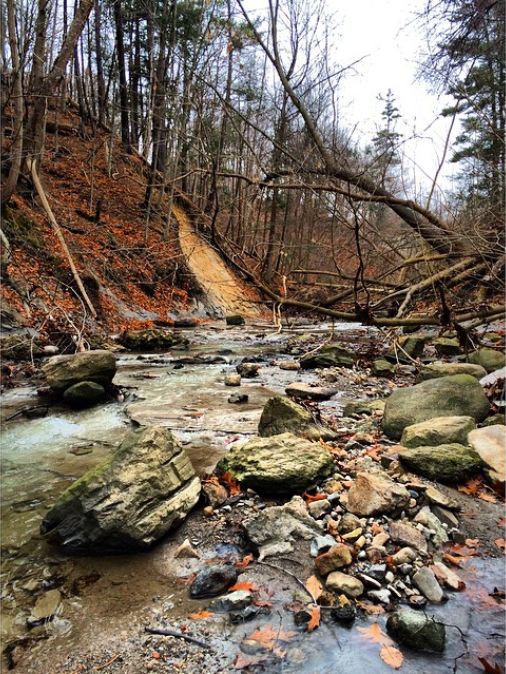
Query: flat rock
[(458, 395), (436, 370), (426, 582), (374, 493), (447, 346), (301, 390), (332, 355), (490, 359), (45, 607), (408, 535), (451, 463), (438, 431), (98, 366), (342, 583), (417, 630), (147, 487), (437, 498), (213, 580), (490, 445), (234, 601), (281, 415)]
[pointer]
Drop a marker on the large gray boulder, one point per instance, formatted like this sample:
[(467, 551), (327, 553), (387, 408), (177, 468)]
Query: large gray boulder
[(436, 370), (129, 502), (332, 355), (282, 415), (98, 366), (452, 463), (490, 359), (438, 431), (490, 444), (458, 395), (278, 464)]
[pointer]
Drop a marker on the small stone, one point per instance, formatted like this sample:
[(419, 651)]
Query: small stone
[(429, 520), (377, 571), (417, 630), (406, 569), (235, 319), (322, 544), (215, 492), (352, 536), (31, 585), (438, 498), (248, 370), (404, 556), (373, 493), (426, 582), (234, 601), (232, 379), (338, 556), (348, 523), (445, 516), (318, 508), (186, 551), (407, 534), (213, 580), (238, 398), (417, 600), (382, 368), (289, 365), (344, 614), (342, 583), (368, 581), (380, 539), (381, 596), (376, 554)]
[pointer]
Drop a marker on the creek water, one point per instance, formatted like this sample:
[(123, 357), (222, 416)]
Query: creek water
[(41, 457)]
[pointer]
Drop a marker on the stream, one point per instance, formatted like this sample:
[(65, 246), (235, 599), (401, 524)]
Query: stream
[(106, 601)]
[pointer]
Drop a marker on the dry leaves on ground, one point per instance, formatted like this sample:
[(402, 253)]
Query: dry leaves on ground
[(245, 585), (314, 587), (388, 653), (200, 615)]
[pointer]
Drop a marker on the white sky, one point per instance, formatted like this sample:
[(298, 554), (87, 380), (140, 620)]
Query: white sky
[(384, 31)]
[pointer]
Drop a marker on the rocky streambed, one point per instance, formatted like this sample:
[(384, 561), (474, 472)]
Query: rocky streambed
[(301, 546)]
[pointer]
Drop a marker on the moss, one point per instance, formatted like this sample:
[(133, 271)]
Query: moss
[(19, 229)]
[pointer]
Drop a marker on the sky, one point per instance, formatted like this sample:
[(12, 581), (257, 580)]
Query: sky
[(385, 33)]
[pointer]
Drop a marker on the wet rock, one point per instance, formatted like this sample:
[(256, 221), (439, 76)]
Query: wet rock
[(344, 614), (489, 443), (234, 601), (458, 395), (419, 631), (282, 524), (319, 508), (248, 370), (152, 339), (186, 551), (426, 582), (356, 407), (431, 522), (290, 365), (232, 379), (380, 596), (438, 431), (447, 346), (213, 580), (436, 370), (322, 544), (281, 415), (61, 372), (300, 390), (411, 346), (84, 394), (235, 319), (382, 368), (238, 398), (342, 583), (452, 463), (45, 608), (447, 576), (248, 613), (437, 497), (338, 556), (332, 355), (408, 535), (143, 490), (353, 536), (490, 359), (20, 347), (35, 412), (277, 464), (375, 493)]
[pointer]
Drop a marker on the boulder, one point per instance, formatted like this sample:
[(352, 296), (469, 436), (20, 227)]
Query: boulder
[(278, 526), (143, 490), (436, 370), (301, 390), (277, 464), (248, 370), (417, 630), (452, 463), (363, 407), (373, 493), (382, 368), (447, 346), (61, 372), (458, 395), (235, 319), (84, 394), (281, 415), (332, 355), (152, 339), (20, 347), (490, 359), (410, 346), (438, 431), (342, 583), (490, 445)]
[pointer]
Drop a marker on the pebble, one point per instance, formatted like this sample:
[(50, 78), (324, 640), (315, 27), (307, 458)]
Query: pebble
[(381, 596), (232, 379), (186, 550), (404, 556), (322, 544), (318, 508), (345, 584), (213, 580), (426, 582)]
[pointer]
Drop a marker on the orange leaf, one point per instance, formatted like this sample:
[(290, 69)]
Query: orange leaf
[(388, 653), (244, 585), (487, 496), (501, 543), (392, 656), (314, 621), (244, 562), (309, 498), (490, 669), (314, 587), (229, 481), (267, 636), (370, 608), (201, 615), (456, 561)]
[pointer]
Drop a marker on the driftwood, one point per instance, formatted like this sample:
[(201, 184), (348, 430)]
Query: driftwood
[(178, 635)]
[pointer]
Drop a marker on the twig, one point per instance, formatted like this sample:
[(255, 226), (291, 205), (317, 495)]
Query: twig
[(106, 664), (179, 635)]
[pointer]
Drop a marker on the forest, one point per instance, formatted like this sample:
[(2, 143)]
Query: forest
[(252, 336)]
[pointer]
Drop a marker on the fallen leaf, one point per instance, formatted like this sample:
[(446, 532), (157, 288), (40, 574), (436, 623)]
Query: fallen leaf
[(501, 543), (490, 669), (267, 636), (314, 587), (229, 481), (370, 608), (388, 653), (501, 522), (310, 498), (456, 561), (487, 496), (156, 655), (392, 656), (242, 661), (244, 585), (314, 621), (201, 615), (244, 562)]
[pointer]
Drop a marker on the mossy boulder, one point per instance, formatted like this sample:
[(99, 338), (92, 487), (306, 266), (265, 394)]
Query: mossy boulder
[(490, 359), (458, 395), (332, 355), (277, 464), (282, 415), (62, 372), (409, 347), (147, 487), (417, 630), (447, 346), (20, 347), (151, 340), (438, 431), (356, 407), (436, 370), (451, 463), (382, 368), (84, 394)]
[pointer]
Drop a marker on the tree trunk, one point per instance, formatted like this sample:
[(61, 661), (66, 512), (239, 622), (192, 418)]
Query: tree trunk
[(123, 90)]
